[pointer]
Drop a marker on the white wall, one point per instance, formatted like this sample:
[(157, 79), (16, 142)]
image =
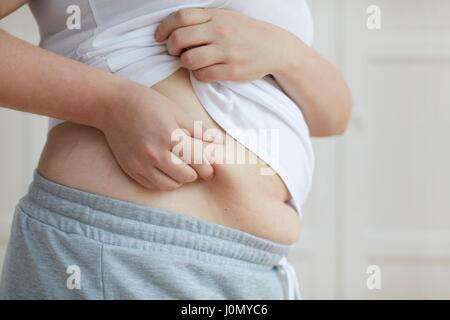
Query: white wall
[(395, 206), (380, 194)]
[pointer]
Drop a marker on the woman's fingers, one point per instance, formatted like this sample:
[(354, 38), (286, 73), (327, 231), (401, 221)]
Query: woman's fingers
[(177, 169), (181, 18), (204, 170), (197, 159), (187, 37), (192, 152), (218, 72), (143, 181), (202, 57), (189, 142), (159, 179)]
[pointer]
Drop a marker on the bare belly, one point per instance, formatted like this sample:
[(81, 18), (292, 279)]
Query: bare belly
[(238, 196)]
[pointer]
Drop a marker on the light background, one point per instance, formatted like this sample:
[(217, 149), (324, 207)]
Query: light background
[(381, 193)]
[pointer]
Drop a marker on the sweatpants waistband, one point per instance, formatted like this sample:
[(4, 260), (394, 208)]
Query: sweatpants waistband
[(123, 223)]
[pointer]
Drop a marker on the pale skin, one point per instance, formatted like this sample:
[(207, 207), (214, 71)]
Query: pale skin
[(137, 121)]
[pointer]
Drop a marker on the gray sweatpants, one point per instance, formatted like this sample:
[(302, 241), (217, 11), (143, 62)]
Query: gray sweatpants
[(70, 244)]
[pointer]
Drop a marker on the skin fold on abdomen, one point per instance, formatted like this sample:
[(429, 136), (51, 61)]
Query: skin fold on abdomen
[(238, 196)]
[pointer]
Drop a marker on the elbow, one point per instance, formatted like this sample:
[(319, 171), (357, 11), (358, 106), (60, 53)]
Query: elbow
[(337, 123), (330, 129), (343, 120)]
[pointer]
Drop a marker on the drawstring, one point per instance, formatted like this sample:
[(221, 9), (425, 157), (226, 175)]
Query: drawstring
[(287, 271)]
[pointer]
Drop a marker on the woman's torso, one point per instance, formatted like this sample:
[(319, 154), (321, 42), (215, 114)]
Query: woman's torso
[(239, 195)]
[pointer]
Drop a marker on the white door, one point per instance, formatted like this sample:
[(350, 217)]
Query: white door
[(394, 199), (381, 194)]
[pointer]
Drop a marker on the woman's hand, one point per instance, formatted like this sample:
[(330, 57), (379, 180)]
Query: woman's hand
[(140, 130), (138, 122), (218, 44)]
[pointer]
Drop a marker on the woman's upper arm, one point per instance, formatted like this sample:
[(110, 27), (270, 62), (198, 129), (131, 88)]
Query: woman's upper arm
[(9, 6)]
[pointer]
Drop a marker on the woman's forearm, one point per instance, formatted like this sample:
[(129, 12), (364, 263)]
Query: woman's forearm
[(8, 6), (40, 82), (317, 87), (138, 122)]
